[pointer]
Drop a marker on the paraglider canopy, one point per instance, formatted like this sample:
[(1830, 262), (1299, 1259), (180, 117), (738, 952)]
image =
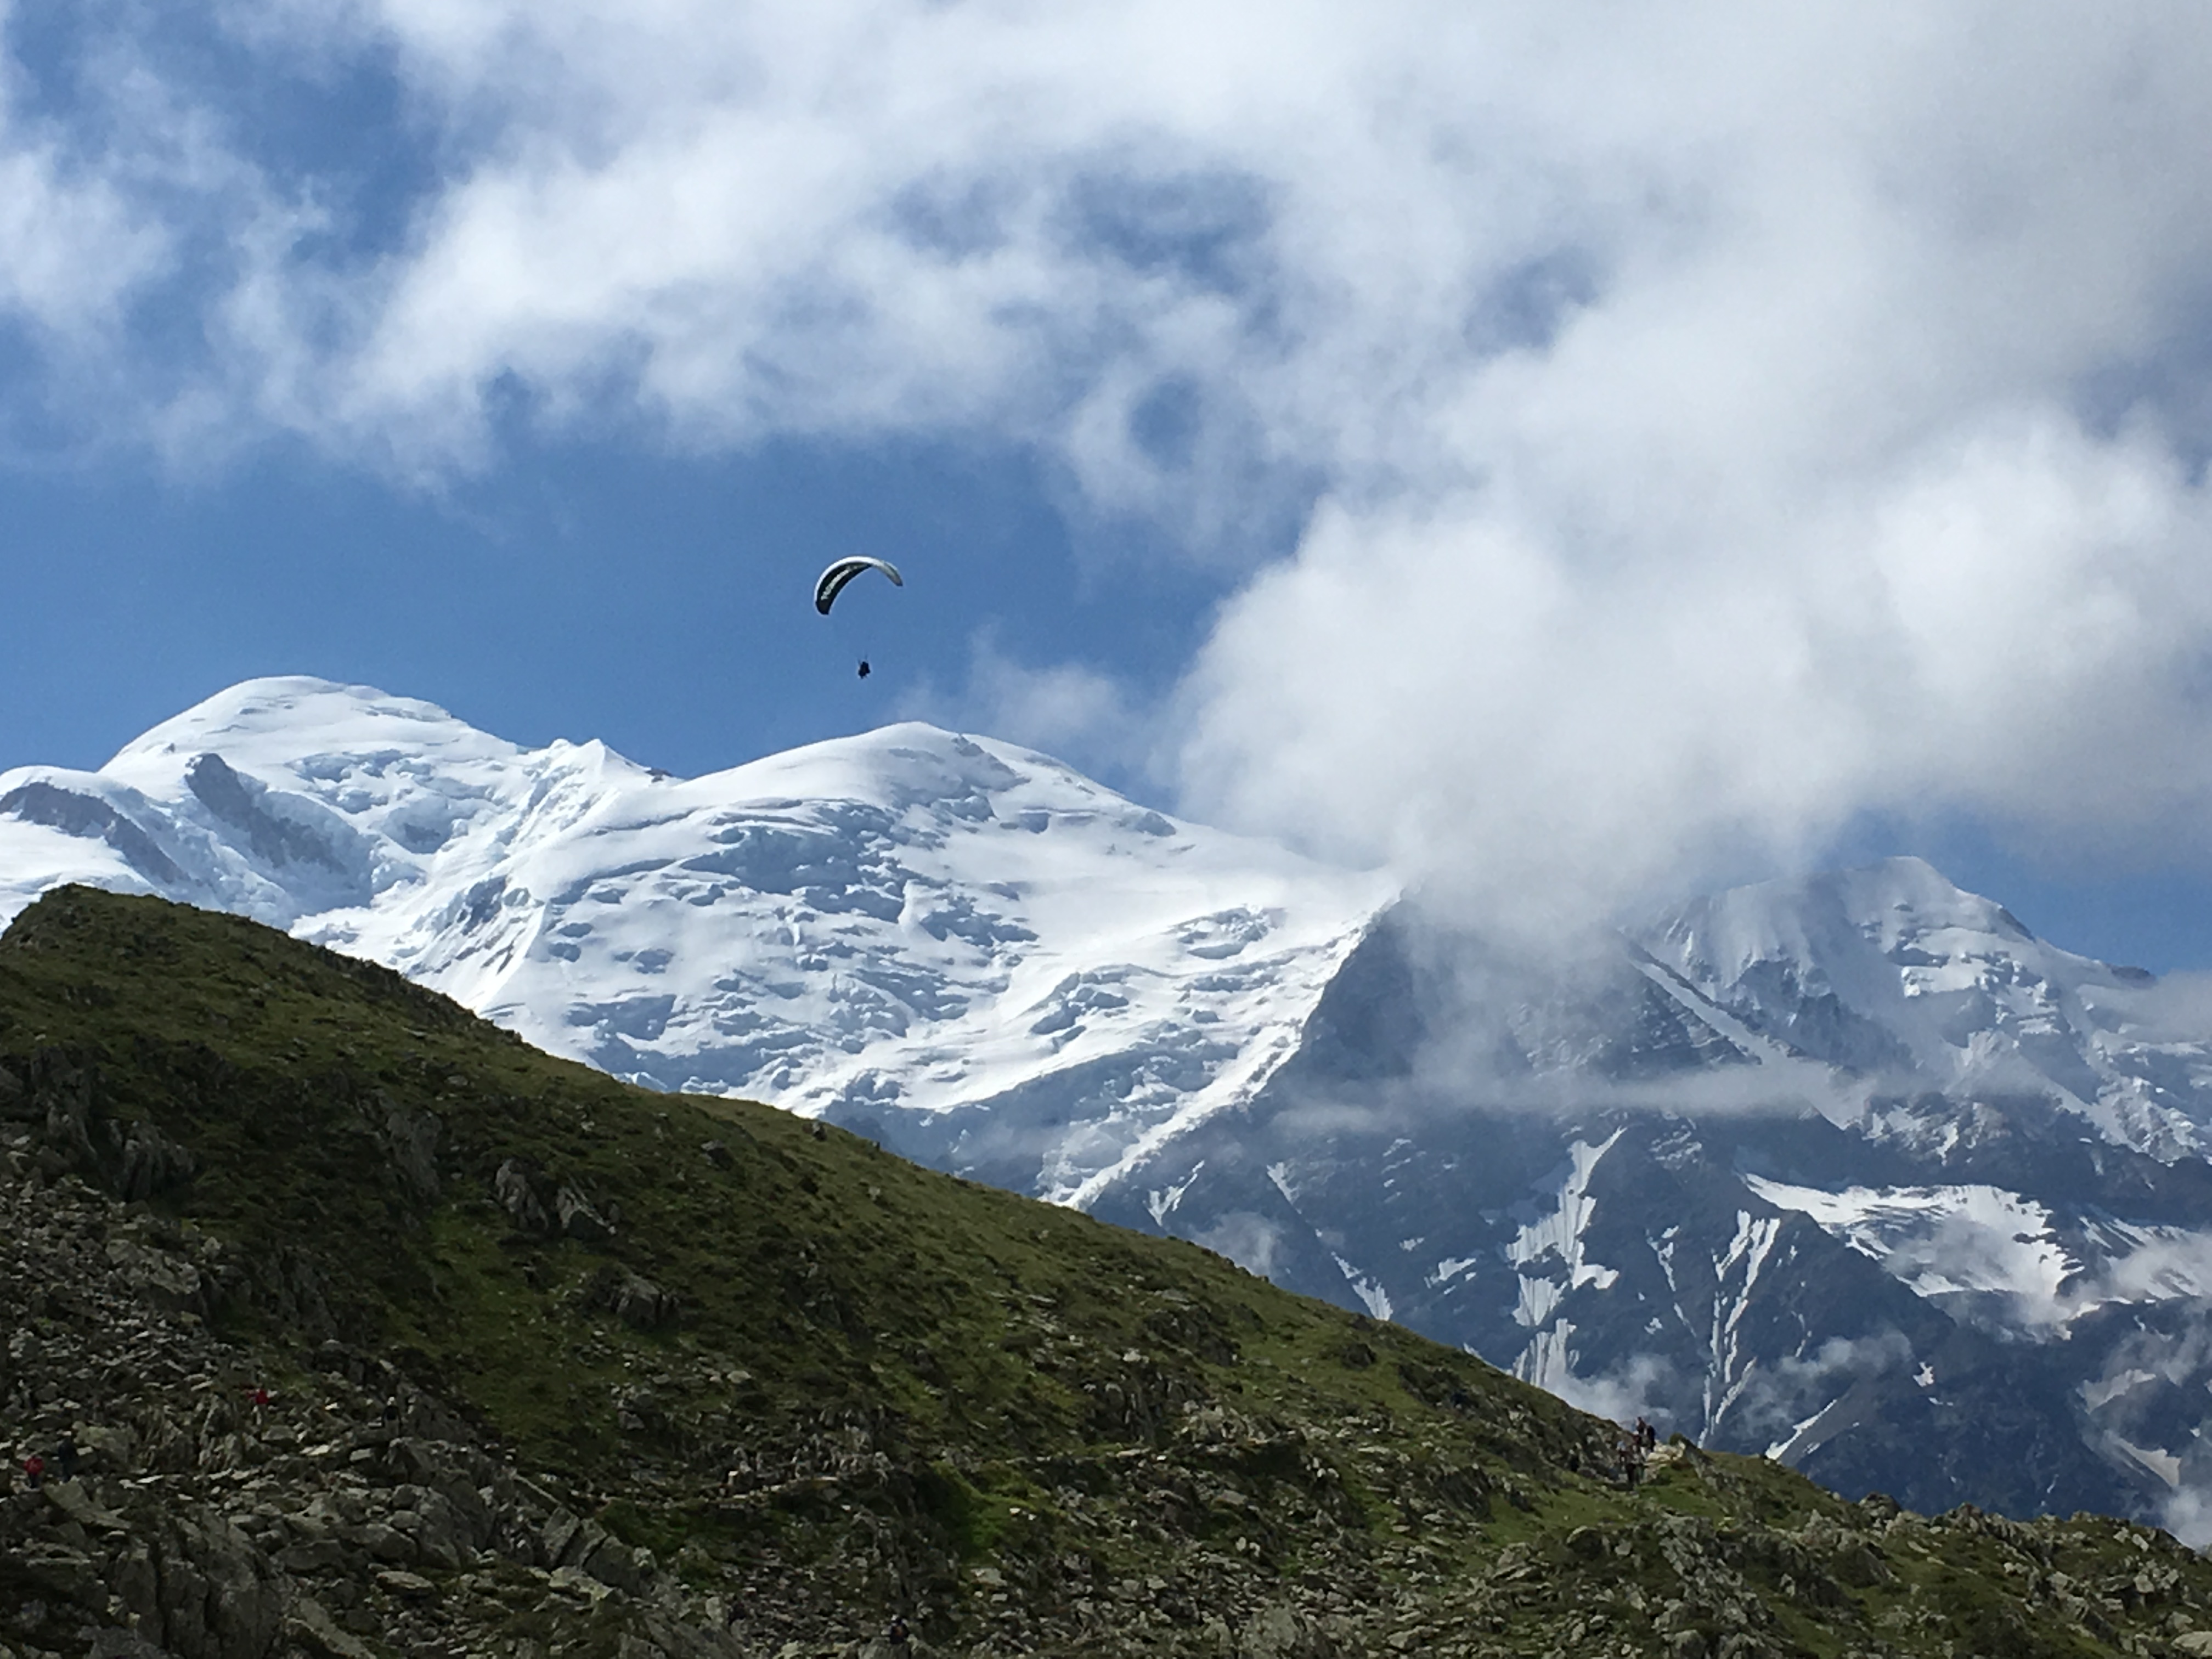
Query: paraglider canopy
[(833, 581)]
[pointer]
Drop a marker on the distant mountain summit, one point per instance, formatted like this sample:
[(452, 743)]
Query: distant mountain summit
[(1893, 974), (1852, 1170)]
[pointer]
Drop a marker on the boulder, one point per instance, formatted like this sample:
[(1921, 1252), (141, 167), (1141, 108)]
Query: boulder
[(410, 1138), (578, 1219), (631, 1297), (310, 1626), (152, 1163), (217, 1596), (170, 1282), (525, 1194)]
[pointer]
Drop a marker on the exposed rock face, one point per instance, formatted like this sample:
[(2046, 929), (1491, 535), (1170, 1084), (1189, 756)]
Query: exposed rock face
[(152, 1163), (578, 1219), (525, 1194)]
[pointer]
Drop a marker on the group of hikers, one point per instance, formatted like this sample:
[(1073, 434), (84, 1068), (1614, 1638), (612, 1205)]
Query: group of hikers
[(1632, 1448)]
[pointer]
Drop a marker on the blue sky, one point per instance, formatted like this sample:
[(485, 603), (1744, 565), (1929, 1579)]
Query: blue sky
[(1571, 458), (659, 602)]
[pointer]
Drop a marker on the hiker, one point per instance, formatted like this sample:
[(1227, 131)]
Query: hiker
[(65, 1458), (34, 1471), (897, 1635), (1646, 1435)]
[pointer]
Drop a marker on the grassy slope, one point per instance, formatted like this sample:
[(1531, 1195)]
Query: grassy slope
[(1036, 1388)]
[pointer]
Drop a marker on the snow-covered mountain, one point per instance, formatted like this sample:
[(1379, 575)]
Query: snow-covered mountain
[(1852, 1170), (1040, 978), (1893, 975)]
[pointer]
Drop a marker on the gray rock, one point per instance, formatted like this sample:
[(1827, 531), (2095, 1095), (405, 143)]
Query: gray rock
[(617, 1566), (218, 1597), (169, 1282), (315, 1556), (555, 1539), (524, 1194), (152, 1163), (122, 1644), (71, 1499), (66, 1575), (643, 1305), (578, 1219), (1279, 1632), (386, 1543), (412, 1140), (310, 1626)]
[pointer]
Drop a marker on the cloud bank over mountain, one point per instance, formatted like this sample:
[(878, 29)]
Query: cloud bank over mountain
[(1704, 427)]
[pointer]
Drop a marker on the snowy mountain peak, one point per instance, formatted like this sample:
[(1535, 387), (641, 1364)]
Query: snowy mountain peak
[(270, 720), (915, 767), (1895, 908)]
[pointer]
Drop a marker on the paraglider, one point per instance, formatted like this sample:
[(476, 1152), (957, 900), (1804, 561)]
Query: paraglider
[(833, 581)]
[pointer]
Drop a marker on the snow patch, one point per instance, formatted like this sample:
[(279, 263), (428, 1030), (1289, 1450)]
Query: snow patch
[(1560, 1231), (1368, 1290)]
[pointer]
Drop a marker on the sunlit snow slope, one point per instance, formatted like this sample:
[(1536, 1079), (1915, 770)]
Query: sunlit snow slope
[(964, 943)]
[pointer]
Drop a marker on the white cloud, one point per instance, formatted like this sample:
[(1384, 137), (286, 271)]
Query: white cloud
[(1724, 419), (72, 248), (55, 232)]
